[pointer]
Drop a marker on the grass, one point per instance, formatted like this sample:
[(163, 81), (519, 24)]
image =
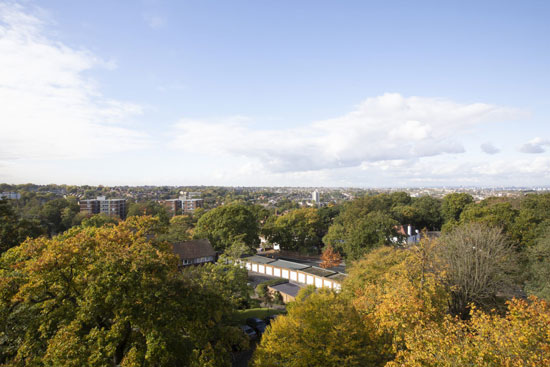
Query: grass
[(239, 317)]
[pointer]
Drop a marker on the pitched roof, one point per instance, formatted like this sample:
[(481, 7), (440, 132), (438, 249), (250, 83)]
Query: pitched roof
[(193, 249)]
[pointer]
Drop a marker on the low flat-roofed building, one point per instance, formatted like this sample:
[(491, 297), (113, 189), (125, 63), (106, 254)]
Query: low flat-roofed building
[(288, 291)]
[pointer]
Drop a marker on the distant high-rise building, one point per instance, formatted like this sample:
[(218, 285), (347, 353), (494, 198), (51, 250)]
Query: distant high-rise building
[(315, 196), (111, 207)]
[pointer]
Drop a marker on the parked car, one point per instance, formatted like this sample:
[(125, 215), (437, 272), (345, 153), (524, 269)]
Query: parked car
[(250, 332), (257, 324), (270, 318)]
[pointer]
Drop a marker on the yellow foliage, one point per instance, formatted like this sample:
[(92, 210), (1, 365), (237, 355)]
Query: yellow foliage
[(395, 290), (520, 338)]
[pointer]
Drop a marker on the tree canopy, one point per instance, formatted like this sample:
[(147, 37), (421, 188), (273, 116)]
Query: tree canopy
[(296, 230), (108, 296), (227, 224)]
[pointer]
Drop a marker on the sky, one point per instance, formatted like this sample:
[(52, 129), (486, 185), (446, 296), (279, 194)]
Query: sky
[(275, 93)]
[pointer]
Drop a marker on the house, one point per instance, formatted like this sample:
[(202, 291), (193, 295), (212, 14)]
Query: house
[(194, 252), (407, 235)]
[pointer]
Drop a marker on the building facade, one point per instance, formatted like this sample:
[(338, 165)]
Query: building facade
[(182, 205), (101, 205)]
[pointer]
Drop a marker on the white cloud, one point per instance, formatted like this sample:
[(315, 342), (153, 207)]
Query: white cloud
[(49, 108), (489, 148), (535, 146), (385, 128)]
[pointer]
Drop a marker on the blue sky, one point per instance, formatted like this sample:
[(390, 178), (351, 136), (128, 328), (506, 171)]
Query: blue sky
[(272, 93)]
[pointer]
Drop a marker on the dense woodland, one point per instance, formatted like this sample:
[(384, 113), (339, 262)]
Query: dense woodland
[(78, 290)]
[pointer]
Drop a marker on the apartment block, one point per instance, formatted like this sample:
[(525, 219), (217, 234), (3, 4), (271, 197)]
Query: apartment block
[(182, 205), (111, 207)]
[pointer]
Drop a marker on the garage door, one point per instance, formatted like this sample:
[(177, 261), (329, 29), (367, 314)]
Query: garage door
[(293, 276)]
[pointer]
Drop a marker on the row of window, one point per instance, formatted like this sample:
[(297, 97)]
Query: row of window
[(198, 260)]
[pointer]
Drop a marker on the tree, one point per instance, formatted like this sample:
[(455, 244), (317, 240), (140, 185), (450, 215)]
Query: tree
[(479, 263), (52, 215), (453, 204), (149, 208), (538, 256), (296, 230), (322, 330), (428, 213), (180, 229), (108, 296), (520, 338), (356, 237), (14, 230), (99, 220), (330, 258), (394, 291), (8, 226), (226, 224)]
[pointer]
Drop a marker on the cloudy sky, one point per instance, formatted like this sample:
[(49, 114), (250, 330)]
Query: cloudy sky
[(272, 93)]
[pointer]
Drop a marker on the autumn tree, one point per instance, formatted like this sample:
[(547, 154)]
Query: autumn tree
[(330, 258), (519, 338), (226, 224), (149, 208), (321, 330), (99, 220), (108, 296), (395, 290)]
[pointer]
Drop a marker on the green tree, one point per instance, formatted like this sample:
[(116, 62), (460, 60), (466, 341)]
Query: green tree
[(51, 214), (8, 226), (108, 296), (428, 213), (538, 256), (227, 224), (296, 230), (453, 205), (354, 238), (180, 229)]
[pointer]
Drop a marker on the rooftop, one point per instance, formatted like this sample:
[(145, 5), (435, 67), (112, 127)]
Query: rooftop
[(320, 272), (288, 288), (193, 249), (259, 259)]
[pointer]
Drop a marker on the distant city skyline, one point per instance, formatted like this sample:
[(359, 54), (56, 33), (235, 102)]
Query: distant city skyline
[(247, 93)]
